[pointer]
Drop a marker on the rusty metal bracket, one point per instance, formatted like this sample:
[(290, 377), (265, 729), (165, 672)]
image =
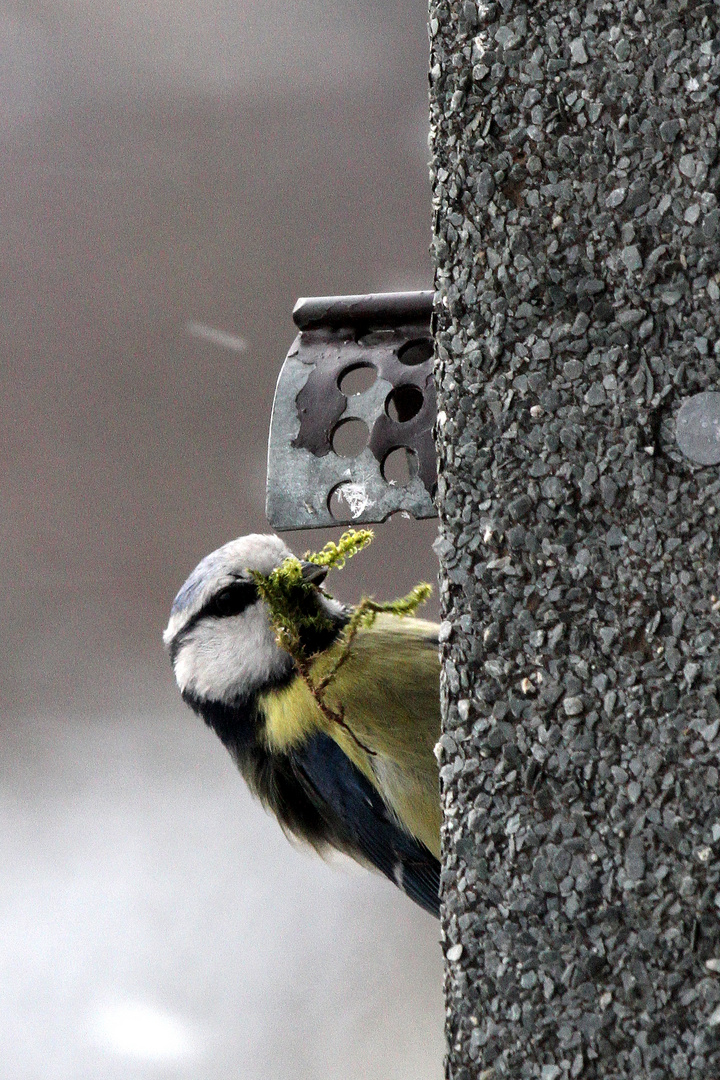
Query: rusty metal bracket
[(315, 477)]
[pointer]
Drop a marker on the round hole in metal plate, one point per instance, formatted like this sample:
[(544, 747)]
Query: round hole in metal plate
[(416, 352), (350, 438), (400, 466), (357, 379), (348, 501), (404, 402), (336, 504)]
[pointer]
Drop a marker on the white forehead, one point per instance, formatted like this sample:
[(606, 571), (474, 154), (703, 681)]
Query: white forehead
[(220, 568)]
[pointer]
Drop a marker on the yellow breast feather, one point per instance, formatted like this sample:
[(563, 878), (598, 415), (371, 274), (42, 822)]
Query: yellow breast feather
[(387, 693)]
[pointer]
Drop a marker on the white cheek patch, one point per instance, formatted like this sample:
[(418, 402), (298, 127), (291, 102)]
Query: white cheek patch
[(223, 659)]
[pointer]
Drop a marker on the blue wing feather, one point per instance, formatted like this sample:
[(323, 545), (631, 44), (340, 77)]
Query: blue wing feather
[(363, 824)]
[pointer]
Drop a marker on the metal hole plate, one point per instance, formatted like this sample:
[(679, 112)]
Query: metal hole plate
[(336, 334)]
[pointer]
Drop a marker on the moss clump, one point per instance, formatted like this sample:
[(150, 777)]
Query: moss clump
[(334, 556), (298, 617)]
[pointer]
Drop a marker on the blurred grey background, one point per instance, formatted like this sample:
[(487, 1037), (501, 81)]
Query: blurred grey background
[(173, 175)]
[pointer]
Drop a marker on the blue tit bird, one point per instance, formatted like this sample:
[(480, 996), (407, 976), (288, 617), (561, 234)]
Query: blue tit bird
[(366, 784)]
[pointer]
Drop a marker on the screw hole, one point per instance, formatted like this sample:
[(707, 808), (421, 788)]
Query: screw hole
[(350, 438), (416, 352), (357, 379), (400, 466), (403, 403)]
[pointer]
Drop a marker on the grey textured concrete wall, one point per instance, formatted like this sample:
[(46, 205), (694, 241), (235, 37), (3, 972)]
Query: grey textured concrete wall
[(577, 249)]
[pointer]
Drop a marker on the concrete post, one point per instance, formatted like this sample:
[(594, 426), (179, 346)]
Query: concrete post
[(577, 248)]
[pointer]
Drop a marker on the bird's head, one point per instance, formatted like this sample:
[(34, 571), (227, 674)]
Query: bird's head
[(219, 636)]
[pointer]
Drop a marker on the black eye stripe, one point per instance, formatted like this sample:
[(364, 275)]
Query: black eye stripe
[(232, 600)]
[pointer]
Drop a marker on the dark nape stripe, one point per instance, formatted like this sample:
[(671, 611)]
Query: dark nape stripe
[(270, 776), (234, 722), (320, 796)]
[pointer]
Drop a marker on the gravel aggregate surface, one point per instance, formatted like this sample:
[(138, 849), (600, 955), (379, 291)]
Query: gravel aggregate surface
[(577, 248)]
